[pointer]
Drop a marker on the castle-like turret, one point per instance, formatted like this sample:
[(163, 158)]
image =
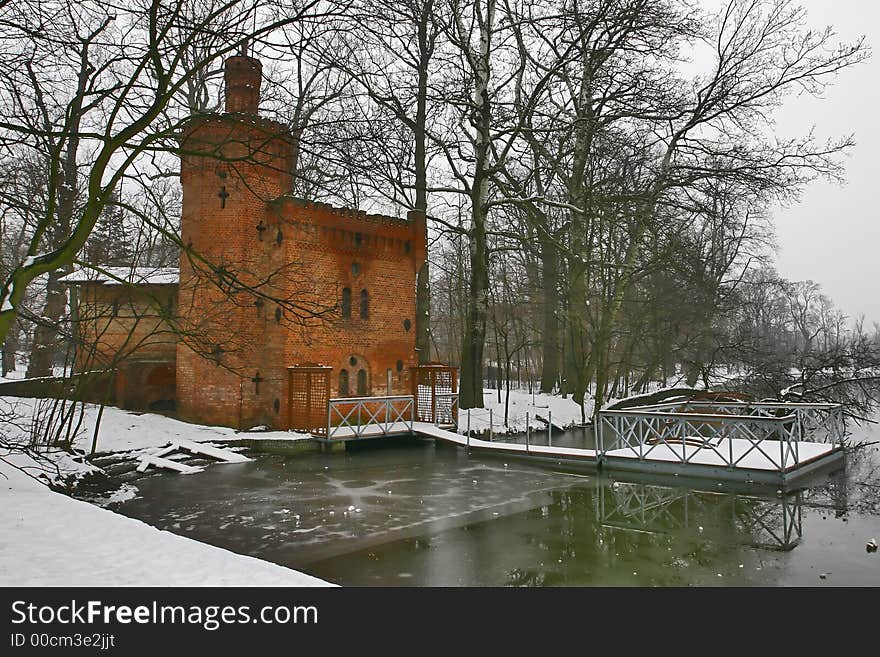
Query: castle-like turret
[(243, 76), (232, 166)]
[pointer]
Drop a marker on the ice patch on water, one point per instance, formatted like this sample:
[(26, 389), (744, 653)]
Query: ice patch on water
[(123, 494)]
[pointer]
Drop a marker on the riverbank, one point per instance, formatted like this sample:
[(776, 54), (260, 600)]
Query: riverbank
[(51, 539)]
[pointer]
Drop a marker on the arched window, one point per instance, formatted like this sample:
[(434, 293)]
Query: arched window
[(362, 383), (346, 302), (343, 383), (365, 304)]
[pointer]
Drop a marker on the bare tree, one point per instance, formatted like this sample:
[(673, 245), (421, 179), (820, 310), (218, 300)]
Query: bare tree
[(126, 69)]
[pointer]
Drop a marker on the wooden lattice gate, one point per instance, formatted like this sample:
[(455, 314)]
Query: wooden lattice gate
[(435, 389), (308, 396)]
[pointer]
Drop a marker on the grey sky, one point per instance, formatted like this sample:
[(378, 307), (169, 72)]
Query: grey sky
[(832, 235)]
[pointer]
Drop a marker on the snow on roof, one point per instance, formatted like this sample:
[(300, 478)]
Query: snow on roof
[(120, 275)]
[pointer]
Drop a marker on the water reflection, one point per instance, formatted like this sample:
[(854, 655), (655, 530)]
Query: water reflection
[(774, 524)]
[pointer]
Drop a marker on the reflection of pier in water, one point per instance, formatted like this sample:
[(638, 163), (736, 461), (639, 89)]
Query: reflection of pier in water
[(774, 524)]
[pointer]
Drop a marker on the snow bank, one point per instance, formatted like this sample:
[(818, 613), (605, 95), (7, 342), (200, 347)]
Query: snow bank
[(49, 539), (123, 431)]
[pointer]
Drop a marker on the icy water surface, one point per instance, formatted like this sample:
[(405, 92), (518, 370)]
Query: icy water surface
[(426, 515)]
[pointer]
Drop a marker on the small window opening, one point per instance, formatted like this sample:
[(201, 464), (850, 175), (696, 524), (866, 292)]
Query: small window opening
[(407, 325), (343, 383), (362, 383), (346, 302), (365, 304)]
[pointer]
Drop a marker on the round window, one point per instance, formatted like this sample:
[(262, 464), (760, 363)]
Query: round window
[(352, 361)]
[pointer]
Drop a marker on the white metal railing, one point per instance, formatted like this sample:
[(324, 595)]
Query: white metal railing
[(445, 408), (358, 417), (773, 430)]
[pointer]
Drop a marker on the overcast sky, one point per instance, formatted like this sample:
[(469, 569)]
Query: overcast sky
[(832, 236)]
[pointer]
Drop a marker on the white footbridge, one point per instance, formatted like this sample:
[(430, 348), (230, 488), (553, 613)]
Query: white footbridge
[(742, 441)]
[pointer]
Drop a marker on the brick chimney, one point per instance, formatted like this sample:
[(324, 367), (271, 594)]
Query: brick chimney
[(243, 76)]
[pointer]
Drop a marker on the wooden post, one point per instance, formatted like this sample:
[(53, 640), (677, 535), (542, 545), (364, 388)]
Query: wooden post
[(309, 399), (528, 432), (434, 396), (289, 399), (454, 377)]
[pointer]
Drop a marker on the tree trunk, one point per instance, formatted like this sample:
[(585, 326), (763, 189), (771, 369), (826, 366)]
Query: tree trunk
[(474, 338), (423, 290), (550, 346), (10, 350), (578, 303), (46, 342)]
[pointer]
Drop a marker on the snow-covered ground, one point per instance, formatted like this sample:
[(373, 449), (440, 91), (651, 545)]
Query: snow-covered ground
[(122, 431), (562, 412), (50, 539)]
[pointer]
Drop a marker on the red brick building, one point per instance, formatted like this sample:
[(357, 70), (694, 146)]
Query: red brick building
[(268, 281)]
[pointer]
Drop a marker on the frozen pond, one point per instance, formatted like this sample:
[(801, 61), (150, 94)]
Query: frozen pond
[(416, 514)]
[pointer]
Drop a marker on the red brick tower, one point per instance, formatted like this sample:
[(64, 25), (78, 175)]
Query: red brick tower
[(231, 341), (269, 281)]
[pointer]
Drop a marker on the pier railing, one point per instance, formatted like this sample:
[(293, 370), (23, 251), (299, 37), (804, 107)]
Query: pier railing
[(732, 431), (445, 408), (358, 417)]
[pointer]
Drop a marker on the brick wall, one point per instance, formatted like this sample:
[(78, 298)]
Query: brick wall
[(122, 323)]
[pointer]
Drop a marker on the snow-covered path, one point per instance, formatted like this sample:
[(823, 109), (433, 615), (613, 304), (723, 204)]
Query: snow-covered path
[(49, 539)]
